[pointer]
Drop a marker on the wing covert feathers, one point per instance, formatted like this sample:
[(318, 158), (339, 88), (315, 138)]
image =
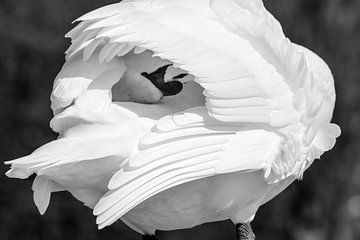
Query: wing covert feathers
[(187, 146), (313, 95), (250, 71), (253, 76), (269, 102)]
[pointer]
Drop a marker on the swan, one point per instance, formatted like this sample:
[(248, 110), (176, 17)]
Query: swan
[(171, 114)]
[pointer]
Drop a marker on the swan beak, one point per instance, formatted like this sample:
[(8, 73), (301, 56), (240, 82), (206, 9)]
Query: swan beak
[(167, 88)]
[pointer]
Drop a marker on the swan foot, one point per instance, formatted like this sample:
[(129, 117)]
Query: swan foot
[(149, 237), (244, 232)]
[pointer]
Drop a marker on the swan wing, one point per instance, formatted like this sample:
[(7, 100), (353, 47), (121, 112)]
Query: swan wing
[(188, 146), (254, 78), (238, 53)]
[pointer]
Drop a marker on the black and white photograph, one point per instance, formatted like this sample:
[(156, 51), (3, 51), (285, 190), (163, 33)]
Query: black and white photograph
[(180, 120)]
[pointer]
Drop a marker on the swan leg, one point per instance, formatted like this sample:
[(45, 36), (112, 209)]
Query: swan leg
[(149, 237), (244, 232)]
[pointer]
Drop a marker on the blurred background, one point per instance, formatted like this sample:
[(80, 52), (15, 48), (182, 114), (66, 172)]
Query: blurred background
[(325, 205)]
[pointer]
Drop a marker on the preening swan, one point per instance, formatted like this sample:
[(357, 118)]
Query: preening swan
[(172, 114)]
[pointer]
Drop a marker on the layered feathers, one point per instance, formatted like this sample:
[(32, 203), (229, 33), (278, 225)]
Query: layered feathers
[(268, 104)]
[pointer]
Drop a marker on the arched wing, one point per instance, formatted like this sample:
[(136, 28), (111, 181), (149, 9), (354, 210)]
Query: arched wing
[(253, 77), (236, 50), (188, 146)]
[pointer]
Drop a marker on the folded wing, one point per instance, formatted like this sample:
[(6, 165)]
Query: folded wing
[(188, 146)]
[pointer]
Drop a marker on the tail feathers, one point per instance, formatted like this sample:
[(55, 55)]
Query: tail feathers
[(63, 152), (43, 188), (18, 173), (81, 143), (46, 155), (19, 167)]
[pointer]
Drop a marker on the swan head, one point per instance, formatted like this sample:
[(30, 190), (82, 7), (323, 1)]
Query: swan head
[(148, 79)]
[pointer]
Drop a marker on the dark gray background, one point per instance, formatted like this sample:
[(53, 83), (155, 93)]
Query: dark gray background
[(325, 206)]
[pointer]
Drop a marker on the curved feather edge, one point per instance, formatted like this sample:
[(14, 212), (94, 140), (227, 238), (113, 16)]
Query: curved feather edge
[(300, 79), (252, 18), (56, 161), (225, 149), (43, 188), (299, 75)]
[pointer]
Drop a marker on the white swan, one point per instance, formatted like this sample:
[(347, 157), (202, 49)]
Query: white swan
[(189, 158)]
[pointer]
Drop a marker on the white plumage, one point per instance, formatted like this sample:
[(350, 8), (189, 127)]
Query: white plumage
[(254, 113)]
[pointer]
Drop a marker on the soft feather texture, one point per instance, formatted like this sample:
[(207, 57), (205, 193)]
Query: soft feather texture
[(267, 108), (78, 82), (262, 78), (91, 152), (185, 147), (270, 78), (43, 188)]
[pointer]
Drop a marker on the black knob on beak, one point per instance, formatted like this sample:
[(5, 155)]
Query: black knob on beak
[(157, 78)]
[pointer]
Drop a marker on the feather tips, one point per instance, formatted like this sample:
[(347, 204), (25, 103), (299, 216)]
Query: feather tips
[(43, 188), (252, 74), (187, 146)]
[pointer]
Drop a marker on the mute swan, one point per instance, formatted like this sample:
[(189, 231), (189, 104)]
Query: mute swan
[(176, 113)]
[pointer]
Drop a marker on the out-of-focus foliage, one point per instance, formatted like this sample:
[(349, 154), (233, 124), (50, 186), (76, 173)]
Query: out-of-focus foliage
[(324, 206)]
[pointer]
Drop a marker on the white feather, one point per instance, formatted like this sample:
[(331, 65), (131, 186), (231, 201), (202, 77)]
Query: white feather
[(265, 119)]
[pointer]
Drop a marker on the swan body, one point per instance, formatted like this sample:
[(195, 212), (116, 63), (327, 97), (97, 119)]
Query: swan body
[(252, 114)]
